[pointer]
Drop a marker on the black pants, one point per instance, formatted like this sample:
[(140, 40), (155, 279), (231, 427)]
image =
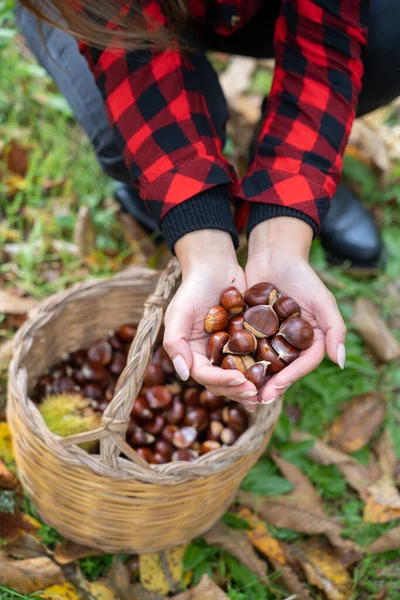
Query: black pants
[(69, 70)]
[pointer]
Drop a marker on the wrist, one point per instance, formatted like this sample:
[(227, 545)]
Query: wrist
[(286, 234), (205, 249)]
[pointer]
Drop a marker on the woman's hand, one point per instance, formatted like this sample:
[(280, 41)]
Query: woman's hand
[(278, 252), (209, 265)]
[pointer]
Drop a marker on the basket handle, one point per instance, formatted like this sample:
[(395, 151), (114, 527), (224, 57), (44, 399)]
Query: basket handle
[(117, 414)]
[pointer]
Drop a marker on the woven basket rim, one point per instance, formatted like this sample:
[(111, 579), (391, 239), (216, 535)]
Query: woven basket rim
[(167, 474)]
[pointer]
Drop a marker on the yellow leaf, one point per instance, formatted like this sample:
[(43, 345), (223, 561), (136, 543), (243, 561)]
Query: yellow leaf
[(6, 453), (379, 513), (261, 538), (100, 591), (324, 572), (160, 571), (60, 592), (33, 521)]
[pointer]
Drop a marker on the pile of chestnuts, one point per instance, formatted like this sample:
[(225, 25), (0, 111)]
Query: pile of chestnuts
[(258, 333), (170, 420)]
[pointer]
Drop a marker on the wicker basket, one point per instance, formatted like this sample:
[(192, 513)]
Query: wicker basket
[(113, 503)]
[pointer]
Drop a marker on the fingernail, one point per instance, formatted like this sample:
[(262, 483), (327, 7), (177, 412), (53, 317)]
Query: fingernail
[(250, 407), (238, 381), (181, 367), (269, 401), (283, 387), (341, 355), (247, 394)]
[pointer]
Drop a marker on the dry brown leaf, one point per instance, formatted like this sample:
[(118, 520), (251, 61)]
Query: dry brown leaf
[(11, 525), (385, 492), (84, 232), (8, 479), (386, 453), (67, 551), (323, 571), (379, 513), (382, 594), (17, 158), (6, 352), (372, 145), (387, 541), (119, 580), (274, 551), (30, 575), (374, 331), (206, 589), (286, 512), (26, 546), (305, 492), (11, 304), (236, 543), (359, 421), (143, 248)]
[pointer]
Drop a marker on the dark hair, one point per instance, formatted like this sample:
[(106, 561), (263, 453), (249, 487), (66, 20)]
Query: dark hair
[(137, 28)]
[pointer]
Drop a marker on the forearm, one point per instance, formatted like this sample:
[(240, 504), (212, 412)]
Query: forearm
[(206, 248), (283, 235)]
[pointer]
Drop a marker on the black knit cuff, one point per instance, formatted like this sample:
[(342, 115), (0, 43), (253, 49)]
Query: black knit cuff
[(260, 212), (208, 210)]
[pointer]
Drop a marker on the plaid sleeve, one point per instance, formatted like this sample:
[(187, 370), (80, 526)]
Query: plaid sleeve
[(298, 161), (160, 120)]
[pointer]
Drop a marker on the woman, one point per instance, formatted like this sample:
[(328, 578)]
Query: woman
[(168, 114)]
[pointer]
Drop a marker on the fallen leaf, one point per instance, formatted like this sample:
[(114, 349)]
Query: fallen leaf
[(7, 234), (236, 78), (364, 138), (387, 541), (67, 551), (11, 525), (374, 331), (236, 543), (274, 551), (206, 589), (6, 352), (323, 571), (143, 247), (8, 479), (382, 594), (162, 571), (17, 158), (385, 492), (101, 591), (30, 575), (84, 232), (15, 305), (386, 453), (379, 513), (26, 546), (357, 424), (304, 491), (65, 591)]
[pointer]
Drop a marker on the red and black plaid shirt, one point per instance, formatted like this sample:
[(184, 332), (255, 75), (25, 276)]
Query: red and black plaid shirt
[(169, 142)]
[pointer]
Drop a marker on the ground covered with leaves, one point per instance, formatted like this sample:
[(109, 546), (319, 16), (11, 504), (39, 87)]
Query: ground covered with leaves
[(319, 515)]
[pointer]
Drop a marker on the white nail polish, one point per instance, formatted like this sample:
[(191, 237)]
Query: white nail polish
[(283, 387), (181, 367), (341, 355), (248, 394), (270, 401), (238, 381)]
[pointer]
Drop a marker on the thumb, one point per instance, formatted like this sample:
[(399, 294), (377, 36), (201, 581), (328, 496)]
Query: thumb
[(178, 326)]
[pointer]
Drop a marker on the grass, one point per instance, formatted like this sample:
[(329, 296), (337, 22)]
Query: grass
[(41, 207)]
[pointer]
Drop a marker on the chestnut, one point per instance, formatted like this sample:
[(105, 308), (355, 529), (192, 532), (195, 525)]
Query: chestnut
[(164, 448), (159, 459), (77, 358), (158, 397), (233, 301), (215, 347), (101, 405), (64, 384), (237, 419), (216, 415), (228, 436), (146, 453), (93, 371), (210, 401), (265, 352), (240, 363), (154, 426), (216, 319), (127, 332), (141, 409), (241, 342), (184, 438), (176, 411), (168, 433), (286, 307), (154, 375), (209, 446), (256, 373), (92, 391), (101, 353), (214, 430), (197, 417), (297, 332), (191, 396), (284, 350), (260, 293), (160, 357), (261, 321), (184, 455), (118, 363), (235, 324), (116, 343), (141, 438)]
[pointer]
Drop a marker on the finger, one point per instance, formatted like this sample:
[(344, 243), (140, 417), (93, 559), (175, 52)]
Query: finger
[(243, 394), (228, 380), (178, 326), (331, 323), (307, 362)]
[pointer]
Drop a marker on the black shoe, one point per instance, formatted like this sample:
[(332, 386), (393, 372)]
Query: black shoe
[(349, 234), (132, 204)]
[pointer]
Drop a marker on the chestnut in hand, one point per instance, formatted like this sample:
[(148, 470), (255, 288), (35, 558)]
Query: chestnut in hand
[(215, 347), (235, 324), (240, 363), (284, 350), (265, 352), (260, 293), (297, 332), (241, 342), (286, 307), (256, 374), (233, 301), (261, 321), (216, 319)]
